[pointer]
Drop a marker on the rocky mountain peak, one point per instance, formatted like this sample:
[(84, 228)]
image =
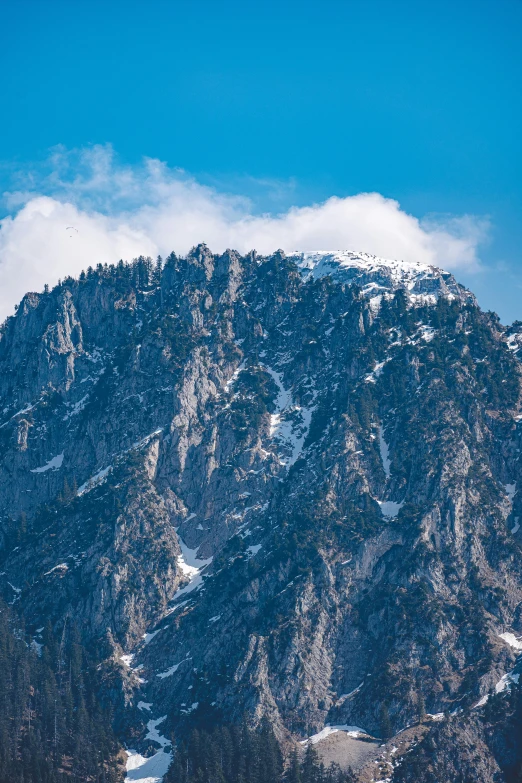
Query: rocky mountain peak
[(377, 276), (277, 487)]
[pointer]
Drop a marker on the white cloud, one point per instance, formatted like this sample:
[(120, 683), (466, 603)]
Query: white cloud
[(124, 211)]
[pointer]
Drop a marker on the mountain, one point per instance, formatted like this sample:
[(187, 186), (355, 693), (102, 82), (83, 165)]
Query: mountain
[(273, 491), (376, 276)]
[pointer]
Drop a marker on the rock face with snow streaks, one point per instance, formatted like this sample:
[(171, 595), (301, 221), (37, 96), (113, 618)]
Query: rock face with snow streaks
[(284, 487)]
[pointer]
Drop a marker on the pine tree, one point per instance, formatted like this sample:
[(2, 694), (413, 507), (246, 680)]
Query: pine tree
[(293, 772), (421, 706), (270, 761), (48, 710), (158, 267), (310, 765), (385, 723), (22, 527)]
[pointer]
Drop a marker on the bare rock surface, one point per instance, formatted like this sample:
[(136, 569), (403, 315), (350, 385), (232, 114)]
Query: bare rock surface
[(278, 487)]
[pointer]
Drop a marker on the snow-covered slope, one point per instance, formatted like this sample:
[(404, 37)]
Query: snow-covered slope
[(376, 276)]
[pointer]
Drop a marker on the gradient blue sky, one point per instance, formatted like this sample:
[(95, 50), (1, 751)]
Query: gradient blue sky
[(288, 102)]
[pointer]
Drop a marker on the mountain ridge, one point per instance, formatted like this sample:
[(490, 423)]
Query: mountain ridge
[(303, 497), (423, 282)]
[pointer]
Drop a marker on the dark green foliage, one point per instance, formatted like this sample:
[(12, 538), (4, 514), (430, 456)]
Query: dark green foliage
[(177, 334), (237, 754), (385, 722), (421, 706), (254, 394), (52, 728)]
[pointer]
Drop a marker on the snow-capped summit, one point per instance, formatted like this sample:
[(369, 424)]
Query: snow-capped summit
[(379, 275)]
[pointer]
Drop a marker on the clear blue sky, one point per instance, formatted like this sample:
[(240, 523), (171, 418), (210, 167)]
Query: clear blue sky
[(418, 101)]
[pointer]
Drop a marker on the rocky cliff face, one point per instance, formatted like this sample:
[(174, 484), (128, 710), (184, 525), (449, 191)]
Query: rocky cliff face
[(281, 486)]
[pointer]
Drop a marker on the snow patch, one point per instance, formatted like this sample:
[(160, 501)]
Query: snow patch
[(513, 641), (151, 769), (60, 567), (340, 701), (186, 569), (506, 681), (235, 375), (192, 707), (375, 373), (147, 770), (427, 333), (512, 342), (510, 491), (503, 684), (148, 636), (352, 731), (172, 670), (191, 562), (390, 508), (25, 409), (98, 478), (192, 566), (178, 606), (16, 589), (153, 733), (76, 407), (54, 464), (290, 423)]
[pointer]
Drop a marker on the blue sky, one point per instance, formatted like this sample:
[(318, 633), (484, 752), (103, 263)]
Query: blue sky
[(288, 103)]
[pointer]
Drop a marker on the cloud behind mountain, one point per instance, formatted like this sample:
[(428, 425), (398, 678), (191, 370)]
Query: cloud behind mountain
[(122, 211)]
